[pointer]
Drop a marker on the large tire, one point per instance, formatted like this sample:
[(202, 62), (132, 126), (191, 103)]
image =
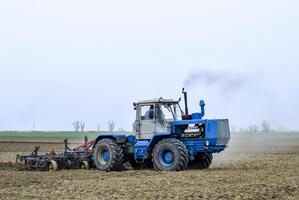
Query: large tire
[(108, 155), (53, 166), (170, 155), (202, 161)]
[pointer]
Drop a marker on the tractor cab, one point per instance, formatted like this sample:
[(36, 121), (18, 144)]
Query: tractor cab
[(153, 116)]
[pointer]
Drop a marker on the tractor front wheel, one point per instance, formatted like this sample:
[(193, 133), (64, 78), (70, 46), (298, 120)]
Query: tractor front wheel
[(170, 155), (108, 155)]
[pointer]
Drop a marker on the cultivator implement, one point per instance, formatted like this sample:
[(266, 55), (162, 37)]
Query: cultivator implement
[(77, 158)]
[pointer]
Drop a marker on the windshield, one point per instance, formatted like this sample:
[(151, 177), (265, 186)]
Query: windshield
[(171, 111)]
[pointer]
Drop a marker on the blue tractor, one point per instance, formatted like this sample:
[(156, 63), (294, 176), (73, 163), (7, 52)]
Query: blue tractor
[(165, 138)]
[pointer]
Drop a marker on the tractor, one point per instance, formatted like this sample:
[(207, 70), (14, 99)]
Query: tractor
[(164, 138)]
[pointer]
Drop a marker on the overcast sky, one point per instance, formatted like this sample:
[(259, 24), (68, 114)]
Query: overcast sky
[(67, 60)]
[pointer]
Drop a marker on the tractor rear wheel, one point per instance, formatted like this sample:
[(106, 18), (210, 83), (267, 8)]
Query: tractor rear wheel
[(108, 155), (53, 166), (170, 155), (202, 161)]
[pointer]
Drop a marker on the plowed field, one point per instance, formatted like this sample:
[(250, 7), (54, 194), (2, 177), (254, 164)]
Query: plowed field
[(253, 167)]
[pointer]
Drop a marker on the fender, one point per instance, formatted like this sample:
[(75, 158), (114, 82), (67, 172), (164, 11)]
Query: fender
[(119, 138), (158, 137)]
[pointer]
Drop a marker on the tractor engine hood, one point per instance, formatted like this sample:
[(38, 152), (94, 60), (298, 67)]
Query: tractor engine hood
[(216, 130)]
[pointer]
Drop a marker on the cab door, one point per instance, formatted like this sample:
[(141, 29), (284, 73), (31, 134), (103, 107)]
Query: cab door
[(160, 121), (147, 122)]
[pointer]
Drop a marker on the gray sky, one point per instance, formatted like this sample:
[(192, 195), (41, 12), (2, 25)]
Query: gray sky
[(67, 60)]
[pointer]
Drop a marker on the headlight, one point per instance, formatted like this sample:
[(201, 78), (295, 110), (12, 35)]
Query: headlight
[(207, 143)]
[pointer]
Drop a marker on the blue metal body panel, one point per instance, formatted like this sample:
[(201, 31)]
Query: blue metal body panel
[(158, 137), (195, 146), (140, 149)]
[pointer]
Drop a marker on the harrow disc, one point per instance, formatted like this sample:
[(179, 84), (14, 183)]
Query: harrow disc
[(84, 165), (53, 165)]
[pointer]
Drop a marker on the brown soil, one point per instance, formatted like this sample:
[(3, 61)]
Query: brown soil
[(249, 169)]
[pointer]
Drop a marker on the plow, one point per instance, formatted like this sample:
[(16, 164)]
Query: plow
[(79, 157)]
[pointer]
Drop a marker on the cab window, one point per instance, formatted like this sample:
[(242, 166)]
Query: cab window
[(147, 112)]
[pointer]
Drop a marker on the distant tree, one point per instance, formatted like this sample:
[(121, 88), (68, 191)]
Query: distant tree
[(82, 125), (98, 127), (121, 130), (265, 126), (33, 126), (111, 125), (253, 128), (76, 125)]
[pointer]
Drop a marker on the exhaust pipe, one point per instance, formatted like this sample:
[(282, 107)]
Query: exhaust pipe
[(186, 101)]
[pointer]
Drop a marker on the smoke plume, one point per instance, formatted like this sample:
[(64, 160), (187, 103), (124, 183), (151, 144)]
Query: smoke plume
[(247, 98), (226, 82)]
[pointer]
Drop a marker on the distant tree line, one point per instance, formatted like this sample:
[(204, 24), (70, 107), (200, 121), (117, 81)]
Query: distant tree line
[(264, 127), (79, 125)]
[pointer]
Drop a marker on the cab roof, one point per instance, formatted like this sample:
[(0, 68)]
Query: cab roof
[(158, 100)]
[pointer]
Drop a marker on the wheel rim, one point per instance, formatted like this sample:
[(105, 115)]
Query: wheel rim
[(166, 158), (104, 156)]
